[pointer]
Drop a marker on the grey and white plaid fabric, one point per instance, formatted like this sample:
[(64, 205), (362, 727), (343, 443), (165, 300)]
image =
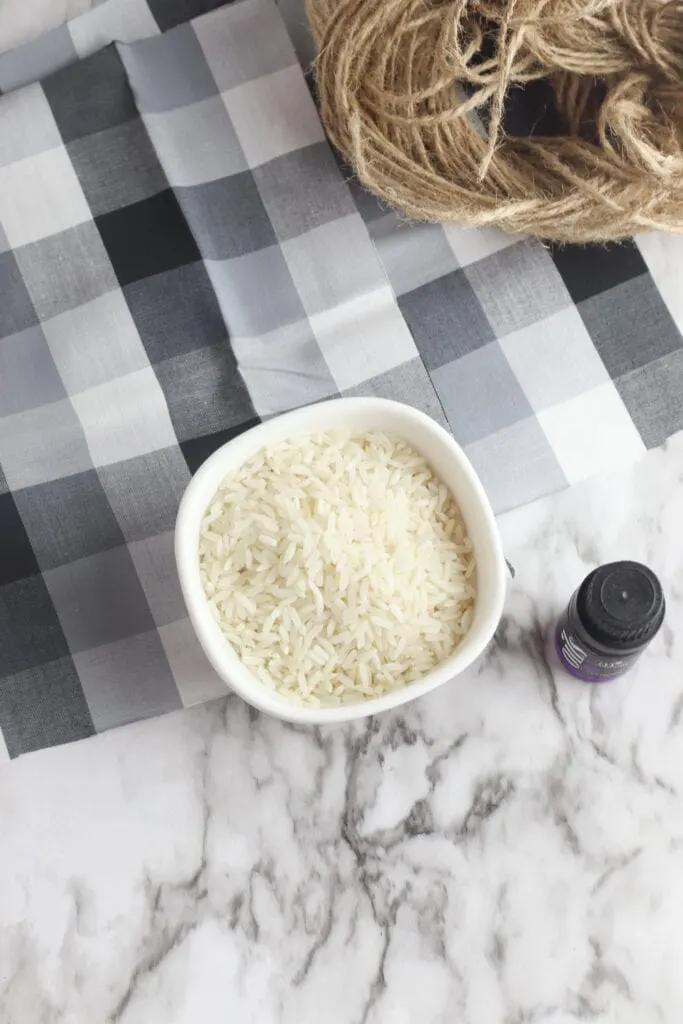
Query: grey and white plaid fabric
[(181, 256)]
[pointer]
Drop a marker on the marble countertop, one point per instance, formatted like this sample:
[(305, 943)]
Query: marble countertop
[(508, 850)]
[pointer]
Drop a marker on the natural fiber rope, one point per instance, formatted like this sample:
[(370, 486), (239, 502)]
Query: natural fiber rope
[(412, 93)]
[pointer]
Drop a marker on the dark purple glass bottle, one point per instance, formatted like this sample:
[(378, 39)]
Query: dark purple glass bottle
[(609, 621)]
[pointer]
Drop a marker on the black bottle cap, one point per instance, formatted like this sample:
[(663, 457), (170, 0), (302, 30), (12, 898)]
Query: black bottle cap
[(621, 605)]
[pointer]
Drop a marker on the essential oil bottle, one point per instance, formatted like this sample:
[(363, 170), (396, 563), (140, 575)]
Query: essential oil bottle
[(609, 621)]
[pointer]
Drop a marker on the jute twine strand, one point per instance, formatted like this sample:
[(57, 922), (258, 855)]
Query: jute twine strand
[(412, 93)]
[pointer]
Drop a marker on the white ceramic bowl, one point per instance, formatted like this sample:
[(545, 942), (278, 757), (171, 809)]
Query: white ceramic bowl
[(360, 414)]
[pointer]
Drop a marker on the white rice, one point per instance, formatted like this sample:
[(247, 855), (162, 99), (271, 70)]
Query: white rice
[(338, 566)]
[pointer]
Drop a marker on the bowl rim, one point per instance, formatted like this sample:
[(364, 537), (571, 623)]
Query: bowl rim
[(226, 662)]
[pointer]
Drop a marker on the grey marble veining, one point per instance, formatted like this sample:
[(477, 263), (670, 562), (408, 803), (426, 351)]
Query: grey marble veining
[(508, 850)]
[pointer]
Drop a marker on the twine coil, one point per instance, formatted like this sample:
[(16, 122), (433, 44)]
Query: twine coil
[(413, 93)]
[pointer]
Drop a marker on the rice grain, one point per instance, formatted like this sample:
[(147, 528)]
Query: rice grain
[(338, 566)]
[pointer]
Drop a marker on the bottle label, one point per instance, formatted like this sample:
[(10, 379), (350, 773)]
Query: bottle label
[(586, 664)]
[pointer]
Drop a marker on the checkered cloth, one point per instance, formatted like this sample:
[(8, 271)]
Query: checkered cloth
[(181, 256)]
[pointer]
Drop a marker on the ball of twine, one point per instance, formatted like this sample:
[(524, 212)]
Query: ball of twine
[(413, 94)]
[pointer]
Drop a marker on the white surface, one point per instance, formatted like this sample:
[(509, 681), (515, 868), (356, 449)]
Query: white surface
[(363, 338), (506, 850), (292, 121), (591, 431), (360, 414), (41, 196), (21, 20)]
